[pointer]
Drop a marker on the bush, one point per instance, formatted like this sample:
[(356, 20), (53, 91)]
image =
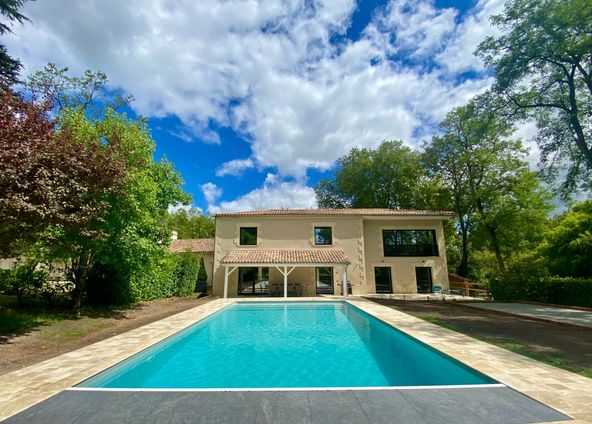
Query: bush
[(27, 283), (105, 287), (531, 283), (187, 270)]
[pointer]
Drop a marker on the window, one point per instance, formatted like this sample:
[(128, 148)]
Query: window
[(423, 277), (248, 236), (253, 280), (383, 280), (409, 243), (323, 236)]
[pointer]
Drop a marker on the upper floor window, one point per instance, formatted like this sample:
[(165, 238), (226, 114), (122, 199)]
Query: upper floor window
[(248, 236), (409, 243), (323, 236)]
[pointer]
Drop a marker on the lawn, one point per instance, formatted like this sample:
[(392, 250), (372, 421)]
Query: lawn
[(566, 347)]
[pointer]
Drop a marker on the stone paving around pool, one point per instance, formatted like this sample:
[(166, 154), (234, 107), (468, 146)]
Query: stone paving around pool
[(566, 392)]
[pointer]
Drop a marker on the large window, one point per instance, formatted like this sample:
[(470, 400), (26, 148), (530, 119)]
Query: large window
[(248, 236), (253, 280), (409, 243), (323, 236)]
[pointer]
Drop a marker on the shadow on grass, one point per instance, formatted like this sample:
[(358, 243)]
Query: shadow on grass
[(17, 320)]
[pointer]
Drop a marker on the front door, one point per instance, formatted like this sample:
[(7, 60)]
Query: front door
[(423, 277), (383, 280), (324, 279)]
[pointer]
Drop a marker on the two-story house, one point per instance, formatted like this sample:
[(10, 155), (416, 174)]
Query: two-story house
[(311, 251)]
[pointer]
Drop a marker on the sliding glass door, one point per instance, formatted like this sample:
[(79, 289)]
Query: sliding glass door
[(253, 280), (324, 277)]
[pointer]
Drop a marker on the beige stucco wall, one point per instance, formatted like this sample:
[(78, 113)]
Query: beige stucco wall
[(360, 239), (292, 233), (403, 268)]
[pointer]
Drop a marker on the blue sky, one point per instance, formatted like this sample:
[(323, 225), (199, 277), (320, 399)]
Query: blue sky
[(254, 101)]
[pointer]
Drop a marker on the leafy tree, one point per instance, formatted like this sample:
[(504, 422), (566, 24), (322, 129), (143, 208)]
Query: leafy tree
[(191, 224), (498, 200), (390, 176), (9, 66), (25, 130), (568, 244), (543, 66), (88, 91)]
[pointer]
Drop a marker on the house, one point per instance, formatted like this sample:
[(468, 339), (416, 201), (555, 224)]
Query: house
[(308, 252)]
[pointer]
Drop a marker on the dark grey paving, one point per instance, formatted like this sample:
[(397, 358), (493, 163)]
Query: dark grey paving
[(491, 405)]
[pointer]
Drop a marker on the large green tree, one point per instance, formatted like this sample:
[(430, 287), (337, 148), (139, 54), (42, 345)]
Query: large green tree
[(191, 224), (125, 229), (9, 66), (499, 201), (568, 244), (390, 176), (543, 69)]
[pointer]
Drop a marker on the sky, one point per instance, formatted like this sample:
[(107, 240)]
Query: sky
[(253, 101)]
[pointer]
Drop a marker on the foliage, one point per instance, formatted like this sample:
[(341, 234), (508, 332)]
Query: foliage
[(390, 176), (543, 66), (29, 284), (499, 202), (27, 203), (187, 267), (86, 92), (191, 224), (9, 66), (568, 245), (541, 287), (129, 193)]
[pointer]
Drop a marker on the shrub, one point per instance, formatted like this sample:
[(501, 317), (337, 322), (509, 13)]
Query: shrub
[(187, 270), (529, 282), (27, 283)]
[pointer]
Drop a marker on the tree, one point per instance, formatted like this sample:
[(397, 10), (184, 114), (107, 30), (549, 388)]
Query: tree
[(88, 92), (9, 67), (390, 176), (25, 130), (568, 244), (191, 224), (495, 195), (543, 68)]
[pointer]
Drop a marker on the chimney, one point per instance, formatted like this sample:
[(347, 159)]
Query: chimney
[(174, 235)]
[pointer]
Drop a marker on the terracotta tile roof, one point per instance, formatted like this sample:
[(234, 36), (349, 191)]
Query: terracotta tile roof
[(338, 212), (205, 245), (309, 256)]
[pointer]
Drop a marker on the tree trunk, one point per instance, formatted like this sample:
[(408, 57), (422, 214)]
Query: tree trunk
[(496, 247), (575, 122), (80, 273), (463, 266)]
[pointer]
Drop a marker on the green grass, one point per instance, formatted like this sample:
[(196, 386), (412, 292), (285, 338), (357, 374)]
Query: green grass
[(433, 318), (20, 320), (551, 358)]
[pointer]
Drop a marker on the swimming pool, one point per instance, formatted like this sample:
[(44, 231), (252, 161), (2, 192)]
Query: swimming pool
[(288, 345)]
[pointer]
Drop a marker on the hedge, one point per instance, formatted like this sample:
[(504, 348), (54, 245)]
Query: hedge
[(187, 269), (545, 289)]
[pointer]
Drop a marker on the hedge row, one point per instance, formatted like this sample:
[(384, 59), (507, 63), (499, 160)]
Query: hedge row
[(545, 289)]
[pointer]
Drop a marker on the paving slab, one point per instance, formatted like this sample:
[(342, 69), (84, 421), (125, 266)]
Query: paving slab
[(410, 406), (548, 313)]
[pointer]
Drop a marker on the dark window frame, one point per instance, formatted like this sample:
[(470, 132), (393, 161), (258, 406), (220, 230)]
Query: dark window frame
[(409, 243), (241, 239), (316, 240)]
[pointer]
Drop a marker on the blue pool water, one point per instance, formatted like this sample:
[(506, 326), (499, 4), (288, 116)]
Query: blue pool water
[(292, 344)]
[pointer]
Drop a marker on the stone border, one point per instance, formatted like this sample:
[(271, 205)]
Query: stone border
[(562, 390), (567, 392)]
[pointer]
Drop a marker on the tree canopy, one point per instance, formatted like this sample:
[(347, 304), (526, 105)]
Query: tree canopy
[(543, 69), (9, 66), (191, 224), (390, 176)]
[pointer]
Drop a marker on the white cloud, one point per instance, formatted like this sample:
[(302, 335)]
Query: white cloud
[(179, 206), (275, 194), (234, 167), (267, 68), (211, 192)]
